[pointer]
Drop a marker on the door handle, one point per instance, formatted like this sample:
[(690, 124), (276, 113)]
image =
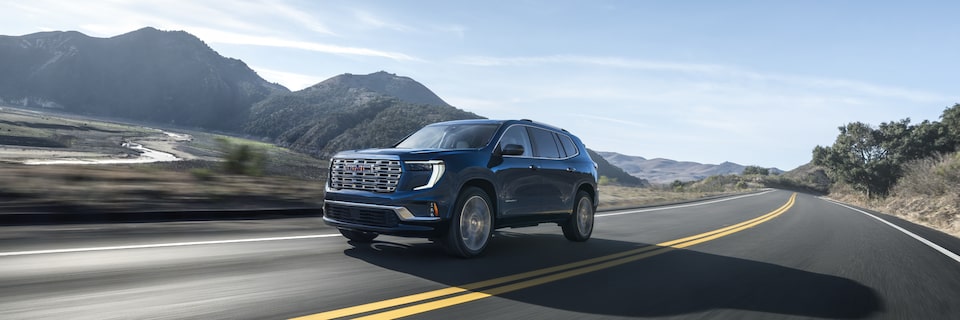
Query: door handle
[(534, 167), (571, 169)]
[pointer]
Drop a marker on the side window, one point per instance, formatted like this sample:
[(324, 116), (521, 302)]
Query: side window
[(517, 135), (545, 144), (568, 146)]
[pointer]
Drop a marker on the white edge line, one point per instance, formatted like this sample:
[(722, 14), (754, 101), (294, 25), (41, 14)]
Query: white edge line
[(929, 243), (682, 205), (162, 245)]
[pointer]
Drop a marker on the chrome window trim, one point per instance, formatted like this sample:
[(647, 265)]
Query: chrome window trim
[(531, 142)]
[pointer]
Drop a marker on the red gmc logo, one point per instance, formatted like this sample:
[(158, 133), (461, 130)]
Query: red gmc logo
[(355, 168)]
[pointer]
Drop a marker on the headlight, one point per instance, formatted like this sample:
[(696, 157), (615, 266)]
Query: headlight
[(435, 166)]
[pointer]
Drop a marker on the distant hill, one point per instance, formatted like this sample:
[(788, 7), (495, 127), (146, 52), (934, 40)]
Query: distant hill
[(611, 171), (168, 77), (349, 112), (666, 171)]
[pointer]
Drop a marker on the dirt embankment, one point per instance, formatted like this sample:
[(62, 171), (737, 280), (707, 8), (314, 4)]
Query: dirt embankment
[(940, 212)]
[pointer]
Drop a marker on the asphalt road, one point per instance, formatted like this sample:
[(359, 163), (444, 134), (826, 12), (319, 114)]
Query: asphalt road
[(754, 257)]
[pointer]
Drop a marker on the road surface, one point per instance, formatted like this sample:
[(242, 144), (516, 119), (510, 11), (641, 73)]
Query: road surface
[(773, 255)]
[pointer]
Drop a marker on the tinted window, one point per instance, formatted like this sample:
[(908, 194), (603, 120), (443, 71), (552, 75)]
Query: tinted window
[(469, 136), (568, 146), (517, 135), (544, 143)]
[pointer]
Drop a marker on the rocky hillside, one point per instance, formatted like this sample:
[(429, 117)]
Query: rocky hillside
[(348, 112), (165, 77), (666, 170)]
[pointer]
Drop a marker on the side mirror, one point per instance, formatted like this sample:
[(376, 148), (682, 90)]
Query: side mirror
[(512, 150)]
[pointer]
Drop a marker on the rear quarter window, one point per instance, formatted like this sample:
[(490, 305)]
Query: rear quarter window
[(569, 147)]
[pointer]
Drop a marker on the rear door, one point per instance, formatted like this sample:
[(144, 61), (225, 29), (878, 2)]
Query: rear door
[(555, 195)]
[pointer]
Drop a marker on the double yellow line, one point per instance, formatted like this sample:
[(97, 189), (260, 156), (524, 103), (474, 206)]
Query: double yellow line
[(497, 286)]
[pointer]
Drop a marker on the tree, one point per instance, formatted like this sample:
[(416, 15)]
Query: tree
[(871, 160), (950, 122), (756, 170), (859, 158)]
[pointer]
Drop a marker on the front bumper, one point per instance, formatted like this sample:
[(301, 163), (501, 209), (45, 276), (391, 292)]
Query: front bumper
[(383, 219)]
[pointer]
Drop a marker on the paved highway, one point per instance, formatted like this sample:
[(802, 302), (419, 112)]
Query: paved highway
[(773, 255)]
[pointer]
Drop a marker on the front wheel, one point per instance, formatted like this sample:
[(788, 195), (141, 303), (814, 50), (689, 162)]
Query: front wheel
[(580, 225), (358, 236), (470, 225)]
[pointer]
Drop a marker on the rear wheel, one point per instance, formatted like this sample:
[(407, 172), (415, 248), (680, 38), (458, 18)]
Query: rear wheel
[(580, 225), (471, 224), (358, 236)]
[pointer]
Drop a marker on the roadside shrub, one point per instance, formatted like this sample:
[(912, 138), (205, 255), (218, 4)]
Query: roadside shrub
[(741, 184), (606, 181), (241, 158), (933, 176)]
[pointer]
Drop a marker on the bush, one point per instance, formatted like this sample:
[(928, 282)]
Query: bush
[(242, 158), (606, 181), (933, 176)]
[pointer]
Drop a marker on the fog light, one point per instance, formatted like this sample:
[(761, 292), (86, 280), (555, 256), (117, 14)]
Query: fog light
[(434, 210)]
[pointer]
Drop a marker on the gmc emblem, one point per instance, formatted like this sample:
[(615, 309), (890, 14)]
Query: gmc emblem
[(357, 168)]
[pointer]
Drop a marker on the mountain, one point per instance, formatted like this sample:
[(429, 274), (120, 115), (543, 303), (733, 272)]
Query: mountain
[(349, 112), (168, 77), (605, 168), (389, 84), (666, 171)]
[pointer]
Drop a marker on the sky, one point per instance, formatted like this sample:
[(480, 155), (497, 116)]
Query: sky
[(751, 82)]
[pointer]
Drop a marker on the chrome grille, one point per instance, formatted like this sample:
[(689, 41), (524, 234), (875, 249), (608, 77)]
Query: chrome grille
[(365, 174)]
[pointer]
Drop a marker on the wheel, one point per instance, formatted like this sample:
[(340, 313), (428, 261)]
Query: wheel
[(471, 224), (358, 236), (580, 225)]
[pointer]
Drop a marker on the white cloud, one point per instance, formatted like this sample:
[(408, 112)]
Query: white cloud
[(293, 81), (368, 19), (710, 70), (217, 36), (310, 22)]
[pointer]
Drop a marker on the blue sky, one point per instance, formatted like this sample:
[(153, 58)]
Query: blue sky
[(752, 82)]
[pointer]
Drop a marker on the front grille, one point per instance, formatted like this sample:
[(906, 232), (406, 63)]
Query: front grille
[(364, 216), (365, 174)]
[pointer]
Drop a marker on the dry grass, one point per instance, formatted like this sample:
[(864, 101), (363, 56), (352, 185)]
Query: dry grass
[(613, 197)]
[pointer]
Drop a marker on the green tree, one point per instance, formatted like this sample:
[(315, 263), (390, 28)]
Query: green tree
[(859, 158), (950, 121), (756, 170)]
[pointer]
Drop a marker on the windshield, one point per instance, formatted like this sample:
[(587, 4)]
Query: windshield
[(451, 136)]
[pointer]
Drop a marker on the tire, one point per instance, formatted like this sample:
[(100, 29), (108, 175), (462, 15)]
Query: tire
[(358, 236), (470, 225), (580, 225)]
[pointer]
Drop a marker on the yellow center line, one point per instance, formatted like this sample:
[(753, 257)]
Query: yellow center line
[(535, 277)]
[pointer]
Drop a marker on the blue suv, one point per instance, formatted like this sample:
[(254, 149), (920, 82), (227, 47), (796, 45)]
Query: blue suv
[(455, 182)]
